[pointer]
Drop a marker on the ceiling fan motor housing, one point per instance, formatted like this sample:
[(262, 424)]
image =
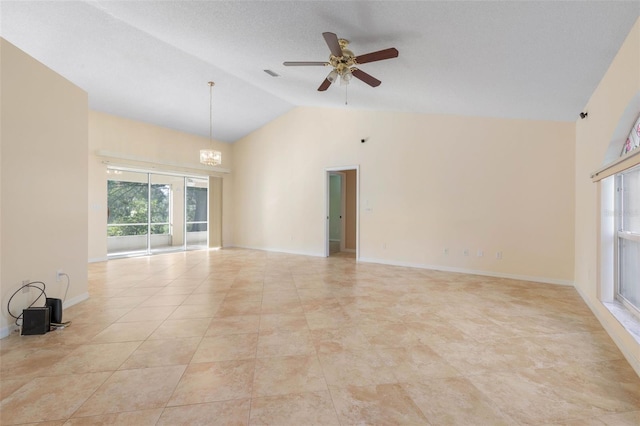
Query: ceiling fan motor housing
[(342, 63)]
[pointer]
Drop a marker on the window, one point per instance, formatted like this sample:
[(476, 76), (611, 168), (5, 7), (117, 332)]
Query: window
[(628, 238), (155, 212), (196, 209), (197, 203), (128, 208)]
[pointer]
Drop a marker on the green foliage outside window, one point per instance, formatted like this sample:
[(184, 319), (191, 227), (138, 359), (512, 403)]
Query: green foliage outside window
[(127, 208)]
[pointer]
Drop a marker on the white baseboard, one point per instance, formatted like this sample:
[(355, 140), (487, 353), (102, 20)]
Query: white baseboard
[(544, 280), (5, 331), (279, 250), (98, 259), (75, 300)]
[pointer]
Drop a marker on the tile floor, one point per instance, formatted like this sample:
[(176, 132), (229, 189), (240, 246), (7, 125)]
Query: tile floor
[(248, 337)]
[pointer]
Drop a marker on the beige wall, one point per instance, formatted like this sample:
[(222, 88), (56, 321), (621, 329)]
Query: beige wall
[(427, 182), (619, 86), (161, 149), (43, 181)]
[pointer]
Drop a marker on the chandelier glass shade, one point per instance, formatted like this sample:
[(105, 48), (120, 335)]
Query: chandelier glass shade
[(210, 157)]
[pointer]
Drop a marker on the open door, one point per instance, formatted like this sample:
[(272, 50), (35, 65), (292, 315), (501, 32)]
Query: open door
[(342, 201)]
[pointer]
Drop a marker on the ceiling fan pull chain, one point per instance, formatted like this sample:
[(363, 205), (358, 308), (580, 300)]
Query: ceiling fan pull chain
[(346, 94)]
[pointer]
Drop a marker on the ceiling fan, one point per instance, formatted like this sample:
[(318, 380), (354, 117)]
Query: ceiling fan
[(344, 62)]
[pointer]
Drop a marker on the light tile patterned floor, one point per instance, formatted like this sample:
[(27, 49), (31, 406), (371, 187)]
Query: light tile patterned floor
[(249, 337)]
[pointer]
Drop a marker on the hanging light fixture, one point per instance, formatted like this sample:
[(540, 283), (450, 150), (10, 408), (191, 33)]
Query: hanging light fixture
[(345, 77), (332, 76), (210, 157)]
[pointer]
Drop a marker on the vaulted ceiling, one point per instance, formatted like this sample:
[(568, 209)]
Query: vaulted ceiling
[(151, 60)]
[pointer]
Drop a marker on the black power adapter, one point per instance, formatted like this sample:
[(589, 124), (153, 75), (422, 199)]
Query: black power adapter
[(36, 321), (55, 310)]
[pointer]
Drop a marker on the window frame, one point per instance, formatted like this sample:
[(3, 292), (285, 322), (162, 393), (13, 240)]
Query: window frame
[(171, 197), (621, 234)]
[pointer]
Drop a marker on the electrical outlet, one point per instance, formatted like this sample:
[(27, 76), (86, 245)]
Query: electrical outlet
[(480, 253), (25, 289), (499, 255), (466, 252), (59, 274), (446, 251)]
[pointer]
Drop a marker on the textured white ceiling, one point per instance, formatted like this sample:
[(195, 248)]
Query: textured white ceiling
[(151, 60)]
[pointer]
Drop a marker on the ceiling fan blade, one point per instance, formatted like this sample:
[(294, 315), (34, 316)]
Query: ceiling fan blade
[(361, 75), (304, 64), (392, 52), (324, 86), (332, 42)]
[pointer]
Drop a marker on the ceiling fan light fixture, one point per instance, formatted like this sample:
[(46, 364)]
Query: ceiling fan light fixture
[(346, 76), (333, 75), (210, 157)]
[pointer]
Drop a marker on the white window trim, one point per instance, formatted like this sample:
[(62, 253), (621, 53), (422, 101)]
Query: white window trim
[(625, 235), (608, 260)]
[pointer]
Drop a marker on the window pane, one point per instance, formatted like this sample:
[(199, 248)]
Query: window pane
[(127, 200), (197, 215), (629, 286), (631, 201), (127, 208), (160, 197), (197, 208)]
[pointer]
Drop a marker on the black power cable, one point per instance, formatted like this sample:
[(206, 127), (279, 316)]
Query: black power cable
[(31, 284)]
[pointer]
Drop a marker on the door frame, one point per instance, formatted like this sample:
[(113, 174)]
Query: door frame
[(327, 173)]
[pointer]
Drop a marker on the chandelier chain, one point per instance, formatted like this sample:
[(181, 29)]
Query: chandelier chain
[(209, 156)]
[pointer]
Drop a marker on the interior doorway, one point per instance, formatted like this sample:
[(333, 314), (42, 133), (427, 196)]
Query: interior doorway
[(342, 196)]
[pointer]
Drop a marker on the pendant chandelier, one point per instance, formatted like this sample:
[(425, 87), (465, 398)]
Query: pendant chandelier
[(210, 157)]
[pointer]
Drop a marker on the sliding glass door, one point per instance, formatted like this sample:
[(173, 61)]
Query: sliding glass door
[(161, 201), (127, 212), (155, 212), (197, 213)]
